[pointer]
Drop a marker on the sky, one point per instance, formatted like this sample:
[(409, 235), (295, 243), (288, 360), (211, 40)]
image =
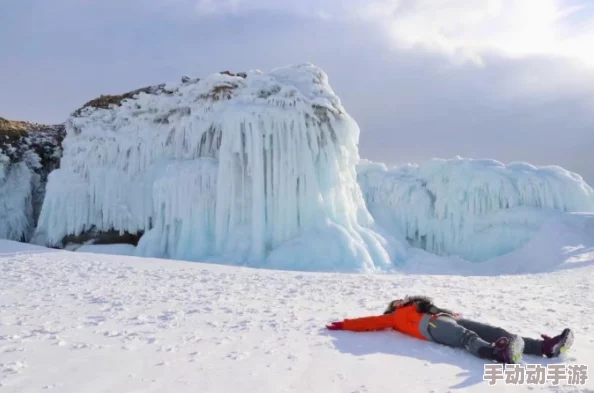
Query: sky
[(511, 80)]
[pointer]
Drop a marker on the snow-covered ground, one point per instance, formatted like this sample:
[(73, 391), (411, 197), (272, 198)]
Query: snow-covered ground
[(81, 322), (112, 249)]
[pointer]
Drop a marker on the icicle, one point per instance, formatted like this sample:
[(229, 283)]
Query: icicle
[(257, 170), (463, 207), (16, 208)]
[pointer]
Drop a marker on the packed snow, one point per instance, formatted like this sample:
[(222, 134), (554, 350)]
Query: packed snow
[(237, 168), (84, 323), (475, 209), (110, 249), (11, 248)]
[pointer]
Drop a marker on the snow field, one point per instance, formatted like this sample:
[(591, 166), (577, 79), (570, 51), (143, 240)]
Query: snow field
[(78, 322)]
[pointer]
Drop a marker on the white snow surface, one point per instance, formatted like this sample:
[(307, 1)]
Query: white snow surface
[(77, 322), (239, 170), (475, 209), (109, 249), (10, 248)]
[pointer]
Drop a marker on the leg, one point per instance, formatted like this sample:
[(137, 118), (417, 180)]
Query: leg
[(492, 333), (446, 331)]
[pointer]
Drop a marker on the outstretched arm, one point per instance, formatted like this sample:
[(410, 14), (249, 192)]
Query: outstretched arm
[(364, 324)]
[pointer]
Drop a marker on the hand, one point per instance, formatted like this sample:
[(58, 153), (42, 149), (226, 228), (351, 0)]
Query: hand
[(335, 326)]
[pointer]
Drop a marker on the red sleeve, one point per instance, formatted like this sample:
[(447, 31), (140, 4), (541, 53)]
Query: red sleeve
[(366, 324)]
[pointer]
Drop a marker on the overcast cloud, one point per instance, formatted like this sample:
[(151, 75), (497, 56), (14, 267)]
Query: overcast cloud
[(502, 79)]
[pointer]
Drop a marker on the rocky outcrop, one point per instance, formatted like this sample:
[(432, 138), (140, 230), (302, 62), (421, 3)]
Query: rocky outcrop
[(110, 101), (18, 139)]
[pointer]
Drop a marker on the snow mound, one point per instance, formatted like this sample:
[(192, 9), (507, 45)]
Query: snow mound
[(235, 168), (10, 248), (475, 209), (563, 242)]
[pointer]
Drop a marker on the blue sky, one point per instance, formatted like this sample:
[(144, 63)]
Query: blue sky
[(503, 79)]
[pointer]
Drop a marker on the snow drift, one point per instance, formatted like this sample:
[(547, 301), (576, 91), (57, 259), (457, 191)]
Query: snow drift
[(475, 209), (250, 168)]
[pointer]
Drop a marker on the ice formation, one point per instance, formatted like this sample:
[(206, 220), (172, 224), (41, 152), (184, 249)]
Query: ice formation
[(16, 207), (255, 168), (476, 209), (262, 169), (28, 152)]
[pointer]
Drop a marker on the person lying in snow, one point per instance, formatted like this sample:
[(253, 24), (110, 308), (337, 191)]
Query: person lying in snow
[(417, 316)]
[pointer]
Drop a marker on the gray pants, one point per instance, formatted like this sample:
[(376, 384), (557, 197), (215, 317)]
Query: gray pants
[(475, 337)]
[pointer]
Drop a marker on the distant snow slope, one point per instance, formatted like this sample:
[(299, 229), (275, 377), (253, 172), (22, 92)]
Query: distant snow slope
[(239, 167), (11, 248), (476, 209), (85, 323)]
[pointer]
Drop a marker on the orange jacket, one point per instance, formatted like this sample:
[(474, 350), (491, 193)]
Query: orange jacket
[(406, 320)]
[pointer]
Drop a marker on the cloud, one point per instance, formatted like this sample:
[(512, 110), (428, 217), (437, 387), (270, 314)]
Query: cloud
[(401, 68), (468, 28), (462, 29)]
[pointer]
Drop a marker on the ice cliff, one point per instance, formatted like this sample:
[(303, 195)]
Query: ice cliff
[(253, 168), (28, 152), (261, 169), (475, 209)]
